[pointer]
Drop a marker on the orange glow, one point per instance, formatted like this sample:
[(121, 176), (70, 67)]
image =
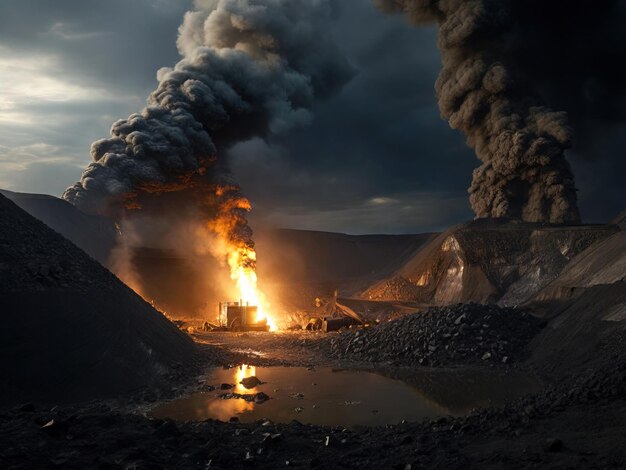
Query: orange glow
[(240, 262), (225, 409), (241, 373), (228, 224)]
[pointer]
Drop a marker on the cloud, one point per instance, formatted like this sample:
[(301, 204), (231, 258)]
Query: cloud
[(413, 212), (94, 41), (382, 137), (381, 201), (24, 169)]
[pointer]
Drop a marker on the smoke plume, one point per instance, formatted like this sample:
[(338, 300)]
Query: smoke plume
[(504, 63), (249, 69)]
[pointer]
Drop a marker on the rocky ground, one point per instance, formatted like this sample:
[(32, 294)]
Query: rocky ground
[(95, 337), (460, 334), (463, 334), (575, 426), (575, 422)]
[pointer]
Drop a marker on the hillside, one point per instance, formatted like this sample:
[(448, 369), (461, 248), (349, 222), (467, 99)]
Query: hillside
[(586, 306), (70, 329), (487, 261)]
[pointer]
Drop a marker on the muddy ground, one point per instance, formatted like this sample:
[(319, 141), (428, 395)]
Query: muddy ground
[(576, 422)]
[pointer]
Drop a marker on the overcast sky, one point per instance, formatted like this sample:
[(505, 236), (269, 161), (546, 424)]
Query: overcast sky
[(377, 157)]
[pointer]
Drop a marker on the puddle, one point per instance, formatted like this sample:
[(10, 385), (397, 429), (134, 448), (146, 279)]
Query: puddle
[(328, 396)]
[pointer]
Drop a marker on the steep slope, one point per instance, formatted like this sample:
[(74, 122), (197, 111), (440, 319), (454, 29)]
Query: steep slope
[(93, 234), (70, 329), (586, 306), (487, 261), (603, 263)]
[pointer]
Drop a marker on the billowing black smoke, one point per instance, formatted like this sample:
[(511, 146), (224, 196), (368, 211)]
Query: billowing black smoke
[(250, 68), (507, 66)]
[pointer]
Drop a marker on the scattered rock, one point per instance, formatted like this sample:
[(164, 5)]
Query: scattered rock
[(250, 382), (453, 335), (261, 397)]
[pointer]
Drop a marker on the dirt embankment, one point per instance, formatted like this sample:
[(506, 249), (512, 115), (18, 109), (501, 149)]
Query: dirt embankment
[(586, 309), (70, 329), (487, 261)]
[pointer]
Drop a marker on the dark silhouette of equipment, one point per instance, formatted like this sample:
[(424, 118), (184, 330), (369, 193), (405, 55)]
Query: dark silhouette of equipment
[(237, 316)]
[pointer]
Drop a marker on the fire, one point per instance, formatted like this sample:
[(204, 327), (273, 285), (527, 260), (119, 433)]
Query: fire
[(235, 241), (242, 261)]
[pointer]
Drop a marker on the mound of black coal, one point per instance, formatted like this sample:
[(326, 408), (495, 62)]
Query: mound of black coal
[(460, 334), (69, 329)]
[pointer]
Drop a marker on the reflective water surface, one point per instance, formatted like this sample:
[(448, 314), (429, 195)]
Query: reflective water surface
[(346, 397)]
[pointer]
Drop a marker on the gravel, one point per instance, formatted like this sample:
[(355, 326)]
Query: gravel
[(459, 334)]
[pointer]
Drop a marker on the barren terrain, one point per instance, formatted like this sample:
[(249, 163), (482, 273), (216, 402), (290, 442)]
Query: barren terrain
[(553, 369), (577, 422)]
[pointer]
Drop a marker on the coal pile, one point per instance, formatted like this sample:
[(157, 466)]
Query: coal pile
[(460, 334), (69, 329)]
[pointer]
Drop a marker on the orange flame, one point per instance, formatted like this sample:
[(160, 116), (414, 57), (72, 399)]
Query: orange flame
[(240, 253), (244, 275)]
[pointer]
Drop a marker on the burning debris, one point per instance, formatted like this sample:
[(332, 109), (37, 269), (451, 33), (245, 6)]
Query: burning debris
[(248, 70)]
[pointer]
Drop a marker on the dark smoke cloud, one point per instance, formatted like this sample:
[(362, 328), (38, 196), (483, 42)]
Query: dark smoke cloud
[(506, 66), (249, 69), (574, 55)]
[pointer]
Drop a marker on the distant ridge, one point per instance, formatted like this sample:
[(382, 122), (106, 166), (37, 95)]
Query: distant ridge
[(93, 234)]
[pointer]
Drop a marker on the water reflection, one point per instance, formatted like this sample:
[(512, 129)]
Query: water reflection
[(242, 372), (345, 397), (225, 409)]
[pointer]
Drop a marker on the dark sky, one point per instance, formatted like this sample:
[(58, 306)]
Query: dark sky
[(377, 157)]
